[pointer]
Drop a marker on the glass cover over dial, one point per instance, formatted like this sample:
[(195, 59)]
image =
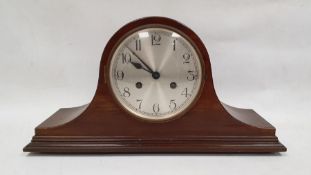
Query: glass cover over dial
[(155, 74)]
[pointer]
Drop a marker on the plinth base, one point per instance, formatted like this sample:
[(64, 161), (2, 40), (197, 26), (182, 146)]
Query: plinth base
[(156, 145)]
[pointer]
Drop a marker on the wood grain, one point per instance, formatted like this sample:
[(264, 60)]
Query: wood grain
[(103, 127)]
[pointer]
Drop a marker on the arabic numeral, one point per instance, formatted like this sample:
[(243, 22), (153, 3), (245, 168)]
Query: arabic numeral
[(139, 101), (174, 45), (155, 39), (119, 75), (156, 108), (192, 75), (186, 58), (185, 92), (126, 58), (172, 105), (126, 92), (138, 45)]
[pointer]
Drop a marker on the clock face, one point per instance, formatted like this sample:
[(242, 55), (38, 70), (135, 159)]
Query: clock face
[(155, 74)]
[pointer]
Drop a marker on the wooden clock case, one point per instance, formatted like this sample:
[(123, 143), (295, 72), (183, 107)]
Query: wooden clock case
[(103, 127)]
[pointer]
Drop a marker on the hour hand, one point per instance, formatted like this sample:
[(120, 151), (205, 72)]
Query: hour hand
[(146, 68), (139, 66)]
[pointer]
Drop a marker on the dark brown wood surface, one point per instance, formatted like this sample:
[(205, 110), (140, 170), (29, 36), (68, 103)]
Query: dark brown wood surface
[(103, 127)]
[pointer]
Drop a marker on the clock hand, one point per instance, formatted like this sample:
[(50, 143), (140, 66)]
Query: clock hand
[(155, 75), (150, 70), (139, 66)]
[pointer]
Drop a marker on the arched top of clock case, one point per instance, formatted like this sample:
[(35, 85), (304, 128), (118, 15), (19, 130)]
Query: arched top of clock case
[(207, 108), (156, 22)]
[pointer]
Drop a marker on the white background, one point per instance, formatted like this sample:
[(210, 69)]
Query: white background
[(49, 58)]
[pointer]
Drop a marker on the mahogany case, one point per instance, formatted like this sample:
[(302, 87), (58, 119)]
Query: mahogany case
[(103, 127)]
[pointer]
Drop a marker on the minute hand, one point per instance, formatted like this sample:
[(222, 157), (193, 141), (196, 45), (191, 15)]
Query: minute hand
[(150, 70)]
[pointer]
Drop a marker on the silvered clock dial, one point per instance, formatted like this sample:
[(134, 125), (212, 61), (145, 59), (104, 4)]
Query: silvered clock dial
[(155, 73)]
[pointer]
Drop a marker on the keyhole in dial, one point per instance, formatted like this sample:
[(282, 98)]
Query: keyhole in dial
[(173, 85), (139, 85)]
